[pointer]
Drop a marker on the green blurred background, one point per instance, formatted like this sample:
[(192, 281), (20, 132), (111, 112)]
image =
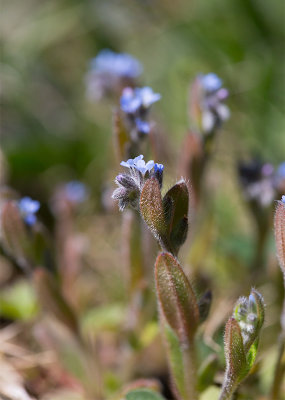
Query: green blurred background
[(49, 130)]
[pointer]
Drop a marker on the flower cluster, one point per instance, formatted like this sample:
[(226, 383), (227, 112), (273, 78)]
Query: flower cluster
[(130, 184), (28, 209), (260, 182), (241, 340), (135, 103), (247, 314), (109, 72), (208, 97)]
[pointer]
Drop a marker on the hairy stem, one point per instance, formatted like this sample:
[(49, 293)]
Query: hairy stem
[(190, 368), (228, 390), (280, 364)]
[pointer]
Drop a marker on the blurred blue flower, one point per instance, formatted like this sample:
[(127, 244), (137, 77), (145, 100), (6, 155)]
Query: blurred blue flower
[(129, 102), (119, 64), (142, 126), (212, 95), (211, 82), (134, 99), (283, 199), (139, 164), (28, 209), (147, 96), (281, 170), (76, 192)]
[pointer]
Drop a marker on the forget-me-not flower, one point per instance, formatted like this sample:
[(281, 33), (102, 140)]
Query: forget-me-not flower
[(281, 170), (76, 192), (257, 181), (134, 99), (210, 99), (130, 184), (28, 209), (142, 126), (135, 103), (109, 72), (139, 164), (119, 64), (211, 82)]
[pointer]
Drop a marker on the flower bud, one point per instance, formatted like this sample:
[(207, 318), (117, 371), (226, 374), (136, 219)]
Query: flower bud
[(241, 340), (158, 172), (175, 204)]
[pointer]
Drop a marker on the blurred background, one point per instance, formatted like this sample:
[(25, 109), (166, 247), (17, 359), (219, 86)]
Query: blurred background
[(52, 133)]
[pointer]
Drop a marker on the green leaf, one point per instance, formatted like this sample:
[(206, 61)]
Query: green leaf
[(109, 317), (212, 393), (251, 355), (18, 301), (143, 394), (176, 297), (175, 358), (235, 356), (207, 372)]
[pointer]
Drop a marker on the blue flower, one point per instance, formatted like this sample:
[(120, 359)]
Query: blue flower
[(158, 172), (281, 170), (134, 99), (283, 199), (158, 168), (119, 64), (131, 162), (28, 209), (76, 192), (129, 102), (142, 126), (211, 82), (211, 96), (147, 96), (139, 164)]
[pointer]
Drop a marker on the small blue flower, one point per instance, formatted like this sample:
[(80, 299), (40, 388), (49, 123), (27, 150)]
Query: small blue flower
[(283, 199), (119, 64), (134, 99), (28, 209), (281, 170), (144, 167), (147, 96), (76, 192), (158, 168), (142, 126), (158, 172), (139, 164), (131, 162), (211, 82), (129, 102)]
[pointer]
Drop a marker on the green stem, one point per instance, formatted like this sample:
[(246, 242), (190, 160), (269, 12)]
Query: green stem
[(190, 369), (280, 364), (228, 390)]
